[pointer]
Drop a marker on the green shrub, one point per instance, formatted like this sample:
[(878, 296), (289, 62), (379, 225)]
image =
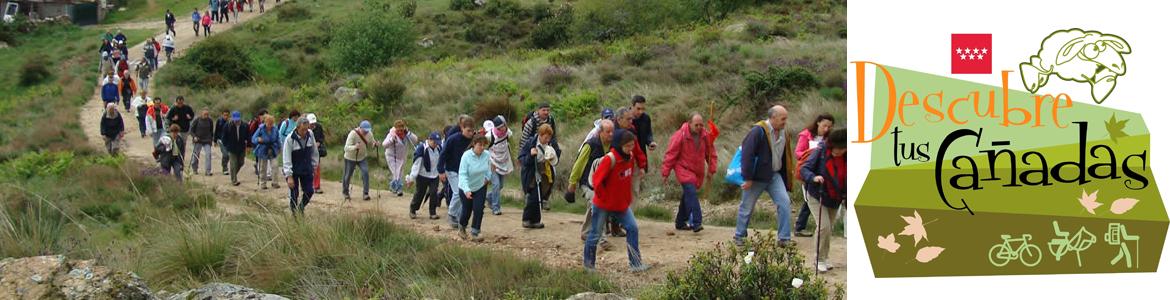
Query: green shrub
[(834, 93), (385, 89), (370, 40), (406, 10), (213, 56), (761, 88), (756, 30), (35, 70), (553, 30), (194, 248), (613, 19), (714, 10), (30, 226), (38, 164), (579, 104), (507, 9), (181, 73), (578, 56), (638, 56), (726, 271), (293, 11), (463, 5)]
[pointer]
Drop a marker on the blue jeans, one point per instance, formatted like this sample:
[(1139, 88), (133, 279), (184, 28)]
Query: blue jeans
[(747, 204), (689, 212), (347, 173), (493, 196), (593, 235), (455, 208)]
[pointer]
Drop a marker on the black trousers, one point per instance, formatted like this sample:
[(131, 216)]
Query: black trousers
[(426, 188)]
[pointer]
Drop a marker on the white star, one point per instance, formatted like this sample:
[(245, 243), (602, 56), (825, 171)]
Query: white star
[(980, 56), (957, 50), (984, 50), (967, 50), (962, 57)]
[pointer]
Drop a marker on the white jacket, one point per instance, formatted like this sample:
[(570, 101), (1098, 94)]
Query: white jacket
[(396, 147), (417, 169)]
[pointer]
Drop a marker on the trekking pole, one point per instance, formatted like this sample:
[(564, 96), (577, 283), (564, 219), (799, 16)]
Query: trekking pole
[(820, 221)]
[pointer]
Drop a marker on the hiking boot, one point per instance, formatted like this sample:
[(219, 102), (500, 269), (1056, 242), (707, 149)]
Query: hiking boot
[(463, 233), (275, 185), (263, 186), (399, 193), (785, 243), (226, 173), (237, 183), (697, 228), (319, 191), (538, 226), (208, 174), (639, 268), (434, 217), (683, 227), (617, 232), (345, 197), (544, 204), (413, 215), (475, 237), (738, 241), (803, 233), (366, 197), (496, 212), (525, 224)]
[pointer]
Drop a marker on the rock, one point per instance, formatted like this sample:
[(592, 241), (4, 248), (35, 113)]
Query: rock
[(3, 45), (596, 296), (426, 43), (59, 278), (224, 291), (348, 94)]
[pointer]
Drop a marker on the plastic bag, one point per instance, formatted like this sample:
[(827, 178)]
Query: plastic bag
[(734, 172)]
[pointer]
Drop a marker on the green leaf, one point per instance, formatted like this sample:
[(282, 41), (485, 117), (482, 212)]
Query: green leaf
[(1115, 128)]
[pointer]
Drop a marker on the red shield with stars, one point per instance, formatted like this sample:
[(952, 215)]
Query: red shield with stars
[(970, 53)]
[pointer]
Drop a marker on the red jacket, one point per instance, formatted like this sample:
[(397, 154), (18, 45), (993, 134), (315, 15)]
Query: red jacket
[(613, 182), (687, 156)]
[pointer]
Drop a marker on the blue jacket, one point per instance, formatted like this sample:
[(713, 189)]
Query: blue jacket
[(271, 141), (452, 152), (110, 92), (756, 157)]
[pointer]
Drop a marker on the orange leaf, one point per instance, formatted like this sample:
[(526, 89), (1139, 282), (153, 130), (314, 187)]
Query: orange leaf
[(927, 254), (888, 243), (1120, 206)]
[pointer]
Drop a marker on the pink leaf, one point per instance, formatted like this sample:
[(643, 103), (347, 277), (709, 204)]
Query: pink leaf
[(914, 227), (1120, 206), (888, 243), (927, 254), (1089, 201)]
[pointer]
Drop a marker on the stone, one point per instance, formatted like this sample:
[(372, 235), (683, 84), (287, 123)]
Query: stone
[(224, 291), (348, 94), (60, 278), (596, 296)]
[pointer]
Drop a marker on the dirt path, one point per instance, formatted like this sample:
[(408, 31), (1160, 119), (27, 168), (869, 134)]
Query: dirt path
[(555, 245)]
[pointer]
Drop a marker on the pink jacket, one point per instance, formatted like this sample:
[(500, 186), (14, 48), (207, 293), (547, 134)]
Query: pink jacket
[(686, 156), (802, 140)]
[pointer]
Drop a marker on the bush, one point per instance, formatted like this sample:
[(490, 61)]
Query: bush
[(638, 56), (385, 89), (196, 248), (209, 55), (613, 19), (182, 73), (406, 10), (371, 40), (507, 9), (34, 70), (580, 104), (463, 5), (714, 10), (579, 56), (726, 271), (488, 109), (756, 30), (292, 11), (555, 76), (761, 88), (833, 93), (553, 30)]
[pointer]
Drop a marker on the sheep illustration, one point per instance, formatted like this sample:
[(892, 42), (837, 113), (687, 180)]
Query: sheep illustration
[(1080, 56)]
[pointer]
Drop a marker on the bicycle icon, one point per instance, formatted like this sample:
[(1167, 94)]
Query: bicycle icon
[(1002, 254), (1063, 244)]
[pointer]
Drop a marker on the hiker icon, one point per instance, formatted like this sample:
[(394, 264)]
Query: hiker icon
[(1027, 253), (1063, 244), (1117, 236)]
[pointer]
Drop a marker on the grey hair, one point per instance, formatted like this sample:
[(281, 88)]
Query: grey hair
[(774, 110), (608, 122)]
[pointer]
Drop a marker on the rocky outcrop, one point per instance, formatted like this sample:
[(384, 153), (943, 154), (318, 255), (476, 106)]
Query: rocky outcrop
[(55, 277), (224, 291)]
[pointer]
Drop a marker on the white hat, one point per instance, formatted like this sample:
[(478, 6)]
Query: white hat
[(312, 118)]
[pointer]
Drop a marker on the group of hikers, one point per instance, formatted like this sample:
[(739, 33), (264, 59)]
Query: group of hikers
[(465, 164)]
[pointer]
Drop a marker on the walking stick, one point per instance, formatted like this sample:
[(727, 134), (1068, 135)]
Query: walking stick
[(820, 221)]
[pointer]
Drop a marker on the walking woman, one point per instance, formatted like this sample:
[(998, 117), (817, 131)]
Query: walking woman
[(812, 137), (112, 128), (613, 180), (357, 147), (474, 168), (156, 113), (267, 141), (538, 160), (397, 141), (170, 151), (824, 191), (425, 171)]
